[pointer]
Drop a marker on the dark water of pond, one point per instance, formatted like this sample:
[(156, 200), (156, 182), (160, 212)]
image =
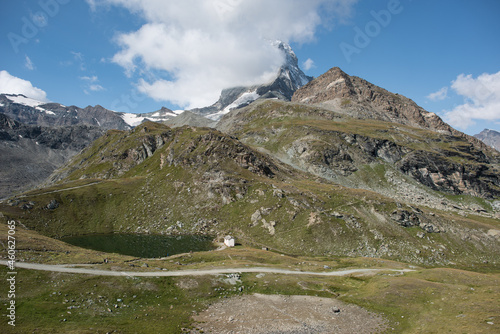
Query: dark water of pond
[(147, 246)]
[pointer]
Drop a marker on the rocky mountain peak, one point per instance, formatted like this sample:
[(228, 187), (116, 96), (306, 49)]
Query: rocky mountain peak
[(337, 91), (288, 79), (362, 99), (490, 138)]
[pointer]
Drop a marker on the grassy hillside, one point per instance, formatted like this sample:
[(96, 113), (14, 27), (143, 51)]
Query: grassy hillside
[(425, 300), (197, 180)]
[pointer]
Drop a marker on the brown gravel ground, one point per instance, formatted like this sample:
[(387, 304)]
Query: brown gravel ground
[(273, 314)]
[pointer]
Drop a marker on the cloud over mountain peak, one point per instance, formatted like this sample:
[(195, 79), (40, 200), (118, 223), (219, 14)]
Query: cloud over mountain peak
[(188, 51)]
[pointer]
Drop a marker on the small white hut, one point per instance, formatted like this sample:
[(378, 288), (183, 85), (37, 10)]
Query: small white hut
[(229, 241)]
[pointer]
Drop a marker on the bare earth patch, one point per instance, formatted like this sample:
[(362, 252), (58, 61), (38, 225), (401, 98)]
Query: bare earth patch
[(267, 314)]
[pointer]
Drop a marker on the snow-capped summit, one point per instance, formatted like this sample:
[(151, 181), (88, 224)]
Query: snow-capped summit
[(290, 69), (288, 79)]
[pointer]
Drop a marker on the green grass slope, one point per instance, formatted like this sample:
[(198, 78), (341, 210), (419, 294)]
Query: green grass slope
[(197, 180)]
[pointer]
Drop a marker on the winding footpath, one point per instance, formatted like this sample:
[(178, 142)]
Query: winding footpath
[(69, 269), (61, 190)]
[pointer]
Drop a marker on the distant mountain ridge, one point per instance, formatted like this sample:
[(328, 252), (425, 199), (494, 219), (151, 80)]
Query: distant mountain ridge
[(490, 137), (30, 153), (289, 78), (32, 112)]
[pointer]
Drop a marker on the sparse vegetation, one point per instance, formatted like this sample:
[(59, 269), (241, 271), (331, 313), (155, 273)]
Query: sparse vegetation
[(334, 199), (345, 103)]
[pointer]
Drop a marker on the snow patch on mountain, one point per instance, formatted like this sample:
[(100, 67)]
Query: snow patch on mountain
[(161, 115), (48, 112), (244, 99), (27, 101), (132, 119)]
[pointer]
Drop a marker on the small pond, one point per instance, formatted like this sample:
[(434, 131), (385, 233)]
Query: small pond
[(140, 245)]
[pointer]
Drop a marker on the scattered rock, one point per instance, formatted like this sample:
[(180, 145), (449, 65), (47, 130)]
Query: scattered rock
[(256, 217), (430, 228), (270, 226), (278, 193), (53, 205), (405, 218)]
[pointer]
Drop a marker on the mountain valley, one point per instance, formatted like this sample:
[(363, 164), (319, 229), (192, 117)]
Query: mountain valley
[(307, 174)]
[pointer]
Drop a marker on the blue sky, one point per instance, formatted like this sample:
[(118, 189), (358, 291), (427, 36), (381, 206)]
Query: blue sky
[(140, 55)]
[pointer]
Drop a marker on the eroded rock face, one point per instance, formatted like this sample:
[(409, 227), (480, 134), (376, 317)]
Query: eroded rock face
[(442, 174)]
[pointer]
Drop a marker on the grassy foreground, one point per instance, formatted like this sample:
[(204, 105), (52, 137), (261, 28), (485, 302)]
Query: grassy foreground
[(427, 300)]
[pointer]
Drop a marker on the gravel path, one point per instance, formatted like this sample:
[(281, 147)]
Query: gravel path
[(197, 272)]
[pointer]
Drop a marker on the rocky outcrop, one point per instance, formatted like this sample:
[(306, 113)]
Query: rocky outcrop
[(118, 152), (214, 146), (439, 173), (416, 218), (345, 150)]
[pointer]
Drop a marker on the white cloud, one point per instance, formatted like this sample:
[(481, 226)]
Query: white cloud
[(90, 79), (92, 5), (96, 88), (440, 95), (481, 100), (29, 64), (188, 51), (10, 84), (308, 64), (91, 84)]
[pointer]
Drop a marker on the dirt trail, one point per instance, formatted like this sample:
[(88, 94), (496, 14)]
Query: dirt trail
[(261, 314), (69, 268), (61, 190)]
